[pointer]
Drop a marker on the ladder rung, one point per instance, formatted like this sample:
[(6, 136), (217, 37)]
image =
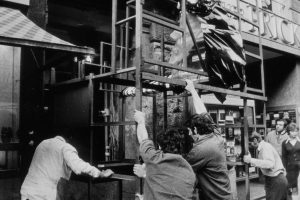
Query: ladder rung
[(167, 65), (113, 123), (162, 22), (125, 20), (130, 2), (254, 90), (254, 55), (203, 87)]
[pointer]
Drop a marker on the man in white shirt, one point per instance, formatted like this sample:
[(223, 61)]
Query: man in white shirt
[(53, 159), (271, 166)]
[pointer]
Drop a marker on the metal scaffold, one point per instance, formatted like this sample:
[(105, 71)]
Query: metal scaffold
[(128, 67)]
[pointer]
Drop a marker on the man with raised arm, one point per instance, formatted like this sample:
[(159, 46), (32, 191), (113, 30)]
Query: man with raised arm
[(168, 174), (207, 156)]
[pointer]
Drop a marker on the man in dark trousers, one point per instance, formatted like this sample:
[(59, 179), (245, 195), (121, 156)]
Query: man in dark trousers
[(207, 156), (269, 161)]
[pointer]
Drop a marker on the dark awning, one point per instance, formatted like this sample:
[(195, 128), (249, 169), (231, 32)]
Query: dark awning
[(17, 30)]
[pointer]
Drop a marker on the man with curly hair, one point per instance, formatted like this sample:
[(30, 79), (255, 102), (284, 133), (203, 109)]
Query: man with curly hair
[(168, 174), (207, 157)]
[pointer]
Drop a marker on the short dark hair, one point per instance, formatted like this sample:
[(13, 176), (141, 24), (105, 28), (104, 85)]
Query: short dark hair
[(175, 140), (285, 122), (291, 127), (202, 122), (255, 135)]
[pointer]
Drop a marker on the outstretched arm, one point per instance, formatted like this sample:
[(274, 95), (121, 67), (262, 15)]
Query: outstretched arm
[(198, 103), (79, 166), (142, 133)]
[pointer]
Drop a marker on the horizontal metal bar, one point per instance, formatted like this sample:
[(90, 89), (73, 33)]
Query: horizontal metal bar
[(125, 20), (86, 78), (123, 177), (118, 46), (108, 164), (162, 22), (130, 2), (167, 65), (117, 72), (254, 90), (254, 55), (94, 64), (113, 123), (203, 87), (71, 81)]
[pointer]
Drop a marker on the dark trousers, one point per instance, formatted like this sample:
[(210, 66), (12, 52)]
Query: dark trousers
[(276, 187), (292, 174)]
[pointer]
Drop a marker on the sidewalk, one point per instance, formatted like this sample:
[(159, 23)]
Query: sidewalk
[(257, 190)]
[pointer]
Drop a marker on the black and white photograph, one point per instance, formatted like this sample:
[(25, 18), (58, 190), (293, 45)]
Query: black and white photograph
[(149, 99)]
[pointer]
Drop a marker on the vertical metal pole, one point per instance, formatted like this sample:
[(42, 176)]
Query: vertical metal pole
[(154, 119), (183, 22), (246, 149), (121, 45), (113, 33), (262, 71), (240, 18), (138, 54), (91, 107), (105, 86), (162, 47), (127, 37), (91, 110), (138, 64), (264, 119), (101, 54), (122, 128)]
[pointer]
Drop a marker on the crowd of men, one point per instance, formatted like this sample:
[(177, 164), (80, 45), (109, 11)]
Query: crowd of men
[(190, 162), (278, 158)]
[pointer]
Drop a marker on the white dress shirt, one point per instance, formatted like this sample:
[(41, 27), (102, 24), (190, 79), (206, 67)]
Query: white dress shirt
[(53, 159), (268, 160)]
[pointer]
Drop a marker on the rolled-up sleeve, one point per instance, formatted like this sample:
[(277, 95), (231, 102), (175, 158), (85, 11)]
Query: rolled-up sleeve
[(72, 159), (148, 152)]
